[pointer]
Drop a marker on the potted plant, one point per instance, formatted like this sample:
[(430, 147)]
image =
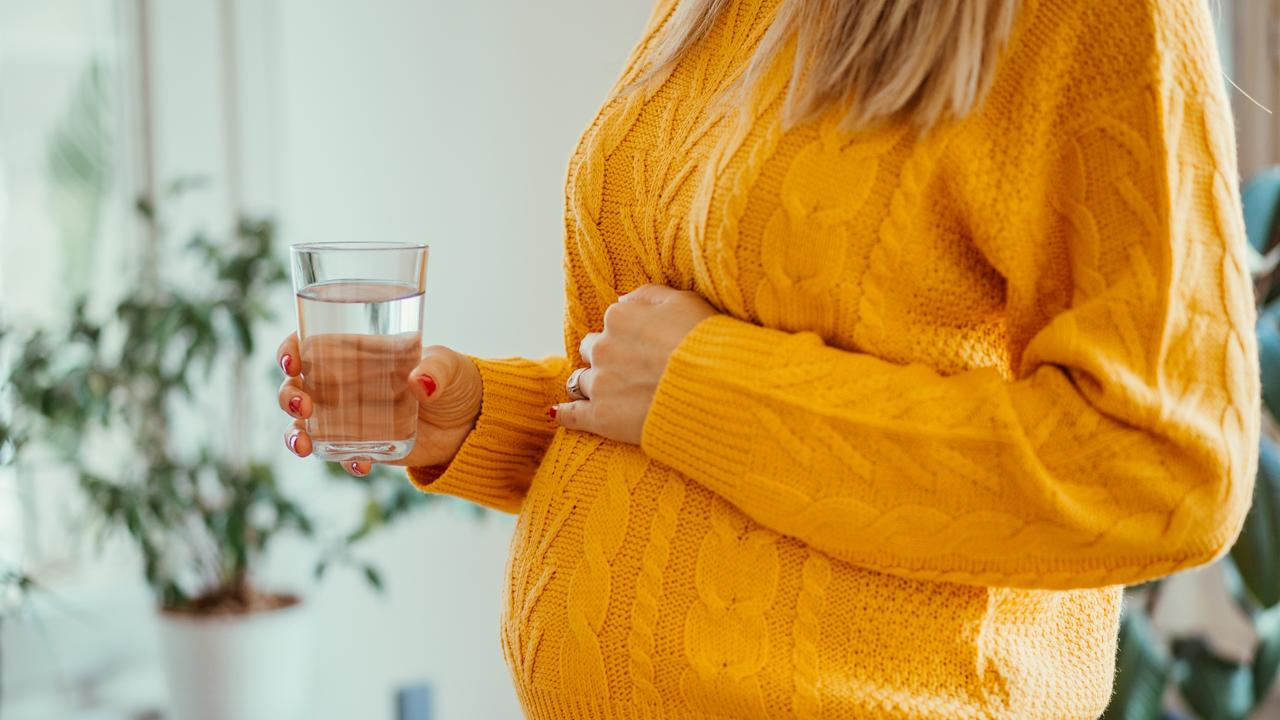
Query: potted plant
[(201, 517)]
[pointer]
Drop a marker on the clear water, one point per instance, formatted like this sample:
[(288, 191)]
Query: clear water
[(360, 341)]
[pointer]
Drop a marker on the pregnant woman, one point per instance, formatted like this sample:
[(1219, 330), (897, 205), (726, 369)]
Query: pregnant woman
[(900, 335)]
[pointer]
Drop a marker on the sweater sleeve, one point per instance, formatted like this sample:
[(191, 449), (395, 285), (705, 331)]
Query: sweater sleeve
[(1120, 447), (497, 461)]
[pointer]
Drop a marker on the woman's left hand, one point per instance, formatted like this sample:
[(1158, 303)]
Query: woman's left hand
[(626, 361)]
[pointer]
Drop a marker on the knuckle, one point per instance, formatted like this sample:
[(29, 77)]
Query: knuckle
[(602, 350), (590, 384), (602, 382), (611, 313)]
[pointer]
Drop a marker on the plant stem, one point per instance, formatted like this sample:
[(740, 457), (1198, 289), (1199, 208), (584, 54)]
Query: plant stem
[(239, 410)]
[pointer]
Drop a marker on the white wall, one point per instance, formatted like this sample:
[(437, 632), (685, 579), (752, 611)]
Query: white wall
[(449, 122)]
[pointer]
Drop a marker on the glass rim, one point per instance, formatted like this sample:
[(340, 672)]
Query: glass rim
[(355, 246)]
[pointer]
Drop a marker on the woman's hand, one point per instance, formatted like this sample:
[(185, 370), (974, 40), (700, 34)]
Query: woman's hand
[(626, 361), (447, 387)]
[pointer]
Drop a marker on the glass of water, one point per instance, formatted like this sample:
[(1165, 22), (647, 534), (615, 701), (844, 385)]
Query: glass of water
[(360, 332)]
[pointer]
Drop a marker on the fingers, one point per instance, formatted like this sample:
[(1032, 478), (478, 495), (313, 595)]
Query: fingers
[(299, 443), (448, 387), (587, 345), (587, 382), (289, 356), (293, 399), (435, 373), (651, 293), (357, 468), (574, 415), (297, 439)]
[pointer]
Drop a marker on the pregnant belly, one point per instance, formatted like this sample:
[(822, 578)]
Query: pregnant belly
[(633, 591)]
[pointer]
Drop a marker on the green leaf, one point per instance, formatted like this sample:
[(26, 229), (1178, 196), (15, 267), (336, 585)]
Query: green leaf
[(1268, 330), (372, 514), (320, 569), (79, 161), (1256, 552), (244, 335), (1142, 671), (172, 597), (1216, 688), (1266, 656), (374, 577), (304, 524), (235, 537), (1235, 587)]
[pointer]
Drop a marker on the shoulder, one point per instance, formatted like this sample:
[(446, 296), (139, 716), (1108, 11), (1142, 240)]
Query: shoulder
[(1070, 63), (1081, 53), (1090, 94)]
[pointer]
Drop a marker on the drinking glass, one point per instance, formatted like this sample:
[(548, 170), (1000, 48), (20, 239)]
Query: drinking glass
[(360, 330)]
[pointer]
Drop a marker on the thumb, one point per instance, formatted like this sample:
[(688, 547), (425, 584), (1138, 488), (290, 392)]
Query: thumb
[(447, 385)]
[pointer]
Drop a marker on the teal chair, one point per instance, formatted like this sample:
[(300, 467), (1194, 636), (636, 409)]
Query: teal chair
[(1261, 197)]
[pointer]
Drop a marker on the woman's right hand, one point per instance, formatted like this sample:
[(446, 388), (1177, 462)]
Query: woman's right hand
[(447, 386)]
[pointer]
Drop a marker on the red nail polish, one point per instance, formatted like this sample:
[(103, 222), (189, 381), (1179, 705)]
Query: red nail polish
[(551, 412), (292, 442), (295, 404), (285, 361), (428, 384), (355, 467)]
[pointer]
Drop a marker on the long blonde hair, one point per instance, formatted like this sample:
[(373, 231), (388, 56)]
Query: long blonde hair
[(923, 61)]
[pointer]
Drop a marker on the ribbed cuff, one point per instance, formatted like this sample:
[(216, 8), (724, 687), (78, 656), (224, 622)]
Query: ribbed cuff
[(699, 423), (498, 458)]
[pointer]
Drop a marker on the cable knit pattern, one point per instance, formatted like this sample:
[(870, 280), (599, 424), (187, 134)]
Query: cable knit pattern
[(961, 387), (736, 579), (644, 613), (815, 575), (583, 665)]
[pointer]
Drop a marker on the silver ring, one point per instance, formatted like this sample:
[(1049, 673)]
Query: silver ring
[(571, 384)]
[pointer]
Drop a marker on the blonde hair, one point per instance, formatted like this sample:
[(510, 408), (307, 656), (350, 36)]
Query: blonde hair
[(923, 61)]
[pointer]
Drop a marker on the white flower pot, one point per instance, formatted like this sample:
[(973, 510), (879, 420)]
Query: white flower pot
[(237, 667)]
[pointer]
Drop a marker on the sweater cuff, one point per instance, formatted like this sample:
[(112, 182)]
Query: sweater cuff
[(500, 455), (699, 423)]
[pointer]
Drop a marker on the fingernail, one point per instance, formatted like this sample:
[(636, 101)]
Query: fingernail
[(295, 404), (355, 468), (292, 442), (285, 360), (551, 412), (428, 384)]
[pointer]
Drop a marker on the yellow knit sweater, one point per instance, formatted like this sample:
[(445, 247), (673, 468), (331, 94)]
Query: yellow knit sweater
[(962, 388)]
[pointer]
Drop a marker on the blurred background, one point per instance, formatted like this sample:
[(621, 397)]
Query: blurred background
[(193, 141), (449, 123)]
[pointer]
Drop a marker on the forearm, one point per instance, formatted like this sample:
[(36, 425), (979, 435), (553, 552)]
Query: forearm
[(968, 478), (496, 462)]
